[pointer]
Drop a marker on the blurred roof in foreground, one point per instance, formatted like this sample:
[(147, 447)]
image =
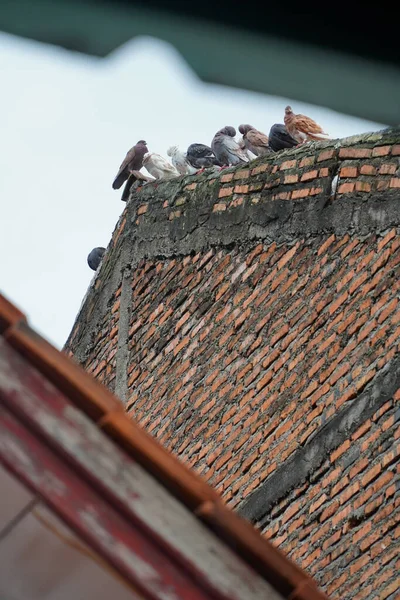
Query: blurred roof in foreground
[(338, 56)]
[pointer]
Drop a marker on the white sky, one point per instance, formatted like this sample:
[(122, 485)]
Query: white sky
[(68, 121)]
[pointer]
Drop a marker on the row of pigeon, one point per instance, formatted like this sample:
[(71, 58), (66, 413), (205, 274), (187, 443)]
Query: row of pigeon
[(224, 151)]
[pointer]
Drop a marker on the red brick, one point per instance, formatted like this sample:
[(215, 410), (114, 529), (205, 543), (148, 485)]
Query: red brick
[(288, 164), (241, 189), (314, 191), (226, 177), (291, 179), (226, 191), (381, 151), (307, 161), (302, 193), (309, 175), (396, 150), (339, 451), (219, 207), (332, 540), (388, 169), (382, 184), (363, 186), (324, 172), (236, 202), (395, 182), (142, 209), (242, 174), (326, 155), (371, 474), (348, 172), (355, 152), (367, 170), (346, 188)]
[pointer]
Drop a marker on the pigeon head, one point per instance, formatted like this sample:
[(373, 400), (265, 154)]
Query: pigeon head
[(245, 129), (229, 130), (143, 144), (288, 110), (172, 150)]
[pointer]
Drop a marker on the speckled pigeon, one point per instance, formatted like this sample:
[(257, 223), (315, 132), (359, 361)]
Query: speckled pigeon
[(201, 156), (180, 161)]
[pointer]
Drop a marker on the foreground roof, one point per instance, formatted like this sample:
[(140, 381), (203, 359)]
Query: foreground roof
[(334, 62), (125, 502)]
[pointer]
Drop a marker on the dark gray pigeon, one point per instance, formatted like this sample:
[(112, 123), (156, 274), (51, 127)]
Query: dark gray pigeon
[(279, 138), (94, 257), (133, 161), (201, 156), (226, 148)]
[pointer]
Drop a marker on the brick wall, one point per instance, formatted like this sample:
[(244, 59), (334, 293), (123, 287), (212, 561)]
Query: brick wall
[(251, 321)]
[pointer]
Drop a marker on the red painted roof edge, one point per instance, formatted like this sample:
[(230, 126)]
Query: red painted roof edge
[(100, 405)]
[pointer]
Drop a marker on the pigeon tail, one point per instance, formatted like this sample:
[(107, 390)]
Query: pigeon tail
[(119, 180)]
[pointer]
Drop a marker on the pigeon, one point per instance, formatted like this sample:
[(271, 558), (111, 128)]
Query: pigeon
[(133, 161), (303, 128), (159, 167), (94, 257), (180, 161), (201, 156), (279, 138), (254, 140), (226, 148)]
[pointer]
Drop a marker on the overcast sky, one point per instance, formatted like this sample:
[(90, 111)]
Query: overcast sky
[(67, 123)]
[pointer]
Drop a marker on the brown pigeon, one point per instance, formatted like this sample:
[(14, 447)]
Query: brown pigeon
[(303, 128), (133, 161), (254, 140)]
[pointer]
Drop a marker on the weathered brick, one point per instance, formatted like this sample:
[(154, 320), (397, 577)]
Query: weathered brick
[(395, 182), (288, 164), (348, 172), (224, 192), (345, 188), (297, 194), (219, 207), (326, 155), (381, 151), (241, 189), (355, 152)]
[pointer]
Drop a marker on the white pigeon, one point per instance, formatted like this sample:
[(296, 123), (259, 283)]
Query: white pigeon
[(159, 167), (180, 161)]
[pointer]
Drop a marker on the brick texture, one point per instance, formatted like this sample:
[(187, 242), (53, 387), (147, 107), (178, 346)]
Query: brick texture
[(238, 353)]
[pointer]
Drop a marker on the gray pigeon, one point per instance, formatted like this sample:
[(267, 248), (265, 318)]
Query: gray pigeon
[(133, 161), (201, 156), (226, 148), (94, 257), (279, 138)]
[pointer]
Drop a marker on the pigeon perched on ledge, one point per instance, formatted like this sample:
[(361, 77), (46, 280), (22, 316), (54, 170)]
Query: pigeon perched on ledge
[(254, 140), (133, 161), (159, 167), (201, 156), (303, 128), (180, 161), (279, 138), (94, 257), (227, 149)]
